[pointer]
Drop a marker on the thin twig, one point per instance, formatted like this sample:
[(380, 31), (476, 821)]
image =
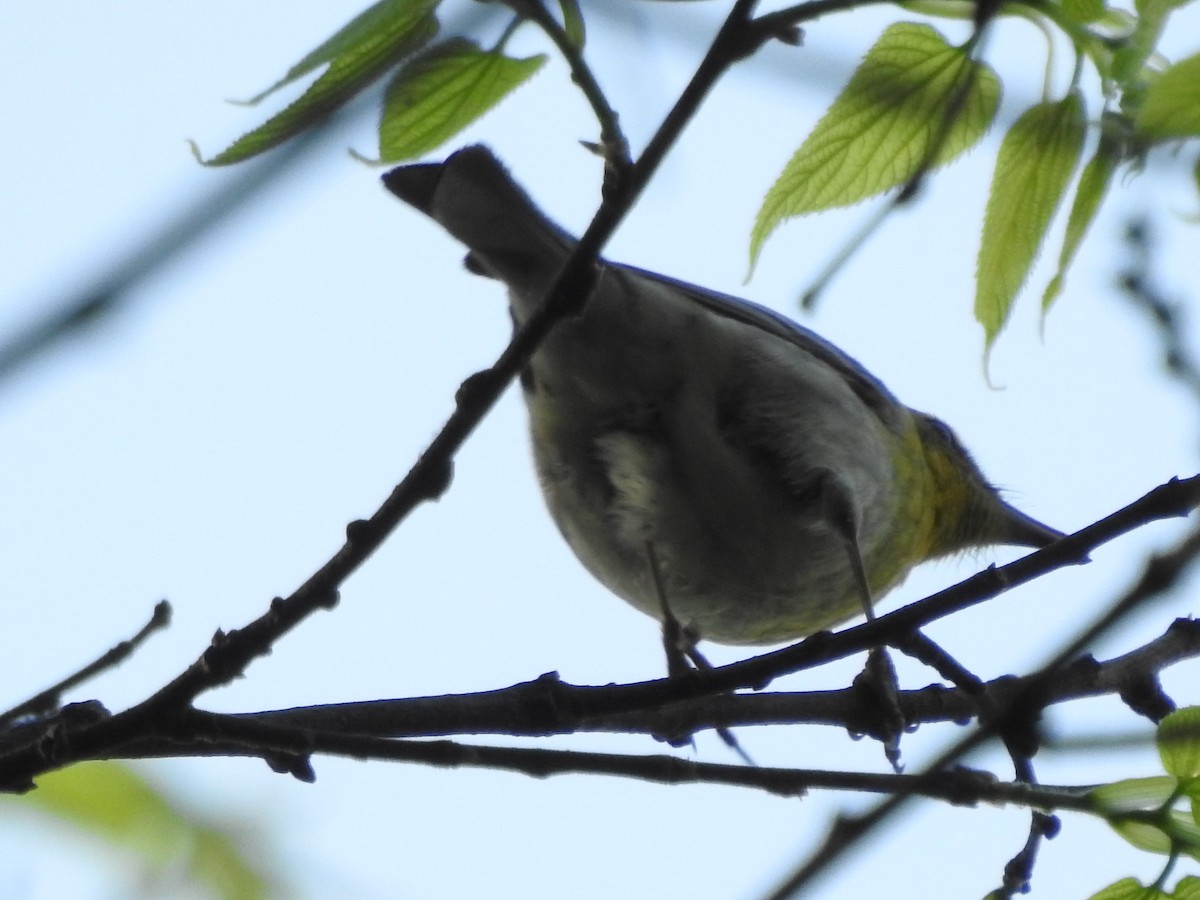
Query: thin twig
[(242, 737), (51, 698), (613, 141), (230, 653), (1161, 573)]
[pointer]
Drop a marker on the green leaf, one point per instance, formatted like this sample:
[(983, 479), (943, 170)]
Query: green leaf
[(1187, 888), (361, 52), (1138, 47), (1035, 163), (1089, 193), (1133, 794), (1178, 742), (1128, 889), (1171, 105), (113, 803), (1083, 12), (441, 92), (1177, 831), (361, 29), (904, 108), (573, 25)]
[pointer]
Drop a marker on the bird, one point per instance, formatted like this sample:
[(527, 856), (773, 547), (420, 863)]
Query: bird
[(706, 458)]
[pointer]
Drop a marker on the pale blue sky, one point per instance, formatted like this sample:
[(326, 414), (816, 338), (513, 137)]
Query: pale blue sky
[(210, 444)]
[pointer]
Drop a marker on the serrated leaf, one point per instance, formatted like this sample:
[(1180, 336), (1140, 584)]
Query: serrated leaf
[(440, 93), (116, 805), (1178, 740), (884, 125), (364, 27), (356, 56), (1133, 794), (1128, 889), (1171, 105), (1089, 193), (1033, 168)]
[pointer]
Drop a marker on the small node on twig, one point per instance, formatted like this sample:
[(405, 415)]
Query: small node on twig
[(1144, 695), (476, 388), (358, 532), (161, 617), (1049, 825), (299, 766), (792, 35), (911, 189), (438, 478)]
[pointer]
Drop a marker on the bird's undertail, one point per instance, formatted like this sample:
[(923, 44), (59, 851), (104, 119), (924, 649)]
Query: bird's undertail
[(475, 199)]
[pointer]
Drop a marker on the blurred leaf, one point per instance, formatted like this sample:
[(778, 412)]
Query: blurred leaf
[(1128, 889), (1178, 742), (1083, 12), (115, 804), (1034, 166), (1177, 831), (1089, 193), (573, 23), (357, 55), (1188, 888), (884, 125), (943, 9), (1133, 794), (361, 29), (1128, 61), (1171, 105), (440, 93)]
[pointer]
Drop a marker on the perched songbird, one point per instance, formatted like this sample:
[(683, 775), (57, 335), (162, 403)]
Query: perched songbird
[(705, 455)]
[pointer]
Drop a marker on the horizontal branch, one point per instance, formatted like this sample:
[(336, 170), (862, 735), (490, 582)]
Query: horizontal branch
[(541, 707), (283, 746)]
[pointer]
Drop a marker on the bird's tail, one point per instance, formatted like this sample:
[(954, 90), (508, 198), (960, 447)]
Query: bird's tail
[(474, 198)]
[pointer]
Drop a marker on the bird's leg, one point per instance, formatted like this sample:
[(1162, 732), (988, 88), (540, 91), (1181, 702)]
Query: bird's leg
[(878, 678), (679, 642), (839, 513)]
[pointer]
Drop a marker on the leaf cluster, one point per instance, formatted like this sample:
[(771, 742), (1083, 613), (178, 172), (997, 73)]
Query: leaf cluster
[(916, 102)]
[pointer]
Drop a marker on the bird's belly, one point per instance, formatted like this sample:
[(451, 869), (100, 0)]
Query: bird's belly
[(738, 563)]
